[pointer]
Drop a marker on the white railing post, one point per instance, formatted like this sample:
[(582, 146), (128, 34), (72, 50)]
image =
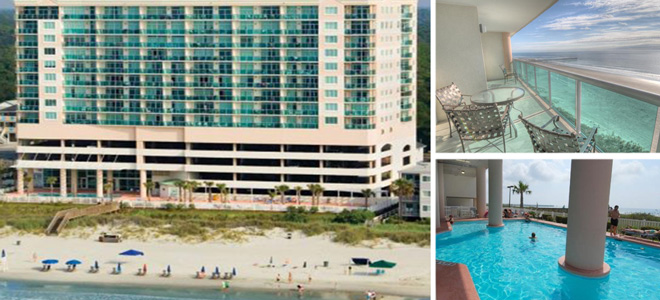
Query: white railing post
[(536, 87), (578, 106), (549, 88)]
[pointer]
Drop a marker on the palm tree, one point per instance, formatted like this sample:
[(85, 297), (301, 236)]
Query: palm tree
[(367, 193), (27, 178), (521, 188), (192, 186), (402, 188), (180, 184), (4, 167), (298, 191), (222, 188), (108, 189), (209, 185), (51, 181), (317, 191), (149, 185), (282, 189), (272, 195)]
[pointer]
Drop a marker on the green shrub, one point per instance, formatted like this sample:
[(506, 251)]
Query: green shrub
[(548, 218), (532, 214), (313, 210), (358, 216), (295, 214), (169, 206), (560, 219), (191, 206)]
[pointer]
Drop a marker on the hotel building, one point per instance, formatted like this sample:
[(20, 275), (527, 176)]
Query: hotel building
[(252, 94)]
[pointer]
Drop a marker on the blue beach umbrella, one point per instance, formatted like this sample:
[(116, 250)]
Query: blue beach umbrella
[(50, 261), (233, 271), (132, 253), (73, 262)]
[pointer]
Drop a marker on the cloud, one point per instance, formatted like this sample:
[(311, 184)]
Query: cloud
[(582, 21), (627, 169), (614, 38), (624, 6), (536, 171)]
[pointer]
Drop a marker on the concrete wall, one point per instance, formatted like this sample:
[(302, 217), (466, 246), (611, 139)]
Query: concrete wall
[(493, 54), (460, 201), (460, 186), (459, 57)]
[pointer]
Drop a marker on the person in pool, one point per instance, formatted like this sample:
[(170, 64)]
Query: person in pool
[(527, 219), (533, 237)]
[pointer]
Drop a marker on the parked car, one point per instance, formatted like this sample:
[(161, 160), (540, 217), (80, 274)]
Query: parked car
[(109, 238)]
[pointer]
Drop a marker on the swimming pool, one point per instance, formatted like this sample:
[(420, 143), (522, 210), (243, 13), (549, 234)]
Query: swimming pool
[(505, 264)]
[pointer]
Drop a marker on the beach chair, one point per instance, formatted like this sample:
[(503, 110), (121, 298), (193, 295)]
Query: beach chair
[(508, 75), (480, 123), (557, 139), (449, 97)]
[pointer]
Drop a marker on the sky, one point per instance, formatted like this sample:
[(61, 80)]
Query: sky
[(5, 4), (588, 25), (635, 183)]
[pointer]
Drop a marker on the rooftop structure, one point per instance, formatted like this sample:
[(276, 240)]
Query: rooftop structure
[(250, 94)]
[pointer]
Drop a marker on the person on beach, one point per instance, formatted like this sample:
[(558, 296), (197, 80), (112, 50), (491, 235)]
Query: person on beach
[(301, 289), (614, 215), (278, 278), (350, 269), (309, 278), (290, 277)]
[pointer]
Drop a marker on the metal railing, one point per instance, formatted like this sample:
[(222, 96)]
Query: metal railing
[(625, 109)]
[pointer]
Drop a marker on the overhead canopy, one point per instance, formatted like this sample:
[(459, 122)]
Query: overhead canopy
[(73, 262), (132, 253), (505, 15), (383, 264), (50, 261)]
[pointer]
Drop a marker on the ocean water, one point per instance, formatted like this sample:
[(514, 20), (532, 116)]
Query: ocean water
[(18, 290), (505, 264)]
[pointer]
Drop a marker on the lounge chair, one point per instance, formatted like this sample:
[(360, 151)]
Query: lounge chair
[(449, 97), (508, 75), (115, 271), (480, 123), (558, 140)]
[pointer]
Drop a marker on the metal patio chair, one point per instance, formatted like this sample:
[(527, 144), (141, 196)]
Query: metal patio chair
[(480, 123), (449, 97), (557, 139), (508, 75)]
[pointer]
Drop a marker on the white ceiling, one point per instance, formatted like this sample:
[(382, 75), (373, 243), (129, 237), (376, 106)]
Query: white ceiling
[(505, 15)]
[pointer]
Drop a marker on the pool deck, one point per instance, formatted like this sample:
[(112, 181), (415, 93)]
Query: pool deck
[(444, 227), (453, 281)]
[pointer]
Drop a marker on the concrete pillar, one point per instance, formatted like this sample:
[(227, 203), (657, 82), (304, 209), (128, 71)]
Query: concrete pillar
[(74, 183), (143, 180), (99, 183), (588, 197), (31, 183), (20, 188), (506, 49), (111, 180), (495, 193), (481, 192), (440, 188), (62, 183)]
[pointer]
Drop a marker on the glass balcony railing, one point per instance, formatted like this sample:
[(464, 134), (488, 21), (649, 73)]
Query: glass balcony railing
[(359, 16), (625, 112), (360, 31), (360, 126), (182, 17)]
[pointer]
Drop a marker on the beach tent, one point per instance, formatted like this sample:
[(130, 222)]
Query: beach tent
[(382, 264), (50, 261), (361, 261), (132, 253)]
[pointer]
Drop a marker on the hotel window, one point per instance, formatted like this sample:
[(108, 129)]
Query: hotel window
[(426, 193), (331, 10), (331, 79), (331, 106), (49, 51), (51, 90), (331, 66), (331, 93), (331, 39), (425, 207), (426, 178), (330, 120), (50, 64), (49, 38), (50, 77), (51, 115), (330, 25), (49, 25), (51, 102), (331, 52)]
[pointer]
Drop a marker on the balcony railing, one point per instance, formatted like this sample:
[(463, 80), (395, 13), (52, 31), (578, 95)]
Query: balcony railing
[(624, 109)]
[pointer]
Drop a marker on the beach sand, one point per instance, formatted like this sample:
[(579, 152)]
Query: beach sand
[(410, 277)]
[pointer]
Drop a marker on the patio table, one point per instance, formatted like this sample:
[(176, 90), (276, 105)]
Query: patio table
[(499, 96)]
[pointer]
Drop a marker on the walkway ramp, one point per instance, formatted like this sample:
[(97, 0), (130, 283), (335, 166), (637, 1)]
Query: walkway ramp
[(63, 217)]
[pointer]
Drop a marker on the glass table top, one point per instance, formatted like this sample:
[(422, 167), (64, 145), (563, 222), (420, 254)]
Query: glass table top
[(500, 95)]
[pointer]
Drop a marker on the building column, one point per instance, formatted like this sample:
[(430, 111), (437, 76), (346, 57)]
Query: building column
[(495, 193), (481, 192), (20, 188), (62, 183), (31, 182), (440, 188), (506, 49), (74, 183), (588, 198), (99, 183), (111, 180), (143, 180)]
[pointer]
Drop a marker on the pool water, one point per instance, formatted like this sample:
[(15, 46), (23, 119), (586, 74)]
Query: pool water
[(505, 264), (15, 290)]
